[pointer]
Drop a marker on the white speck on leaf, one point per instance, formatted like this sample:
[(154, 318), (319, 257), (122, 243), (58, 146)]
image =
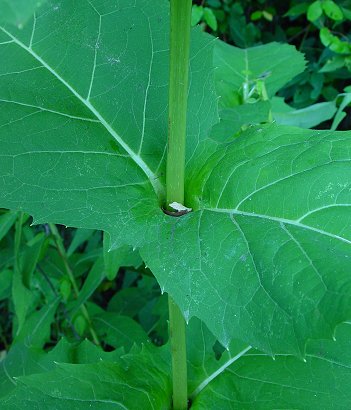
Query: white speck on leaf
[(179, 207)]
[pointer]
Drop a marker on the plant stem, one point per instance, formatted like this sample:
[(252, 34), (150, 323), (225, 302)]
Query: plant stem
[(178, 350), (62, 252), (178, 96)]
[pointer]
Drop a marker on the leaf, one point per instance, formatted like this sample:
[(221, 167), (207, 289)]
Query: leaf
[(333, 42), (115, 259), (6, 222), (314, 11), (36, 330), (154, 319), (130, 300), (346, 100), (131, 136), (255, 381), (264, 256), (65, 289), (5, 283), (237, 68), (210, 18), (18, 11), (77, 353), (272, 210), (242, 33), (256, 15), (79, 237), (135, 381), (106, 265), (95, 276), (232, 119), (333, 64), (24, 359), (332, 10), (25, 354), (30, 257), (306, 117), (196, 14), (202, 360), (346, 12), (118, 330), (23, 299), (297, 10), (26, 258), (267, 16), (19, 361)]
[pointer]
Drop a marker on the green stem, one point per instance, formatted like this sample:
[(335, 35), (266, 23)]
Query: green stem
[(178, 349), (62, 252), (178, 96)]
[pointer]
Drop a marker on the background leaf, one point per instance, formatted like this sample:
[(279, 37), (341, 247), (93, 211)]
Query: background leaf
[(122, 256), (237, 67), (305, 117), (104, 385), (119, 331), (232, 119)]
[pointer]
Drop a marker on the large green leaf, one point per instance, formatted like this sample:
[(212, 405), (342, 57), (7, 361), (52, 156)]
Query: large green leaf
[(242, 377), (25, 359), (138, 380), (256, 382), (107, 118), (266, 253)]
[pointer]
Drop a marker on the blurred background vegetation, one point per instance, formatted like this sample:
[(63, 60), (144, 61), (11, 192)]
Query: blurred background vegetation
[(320, 29)]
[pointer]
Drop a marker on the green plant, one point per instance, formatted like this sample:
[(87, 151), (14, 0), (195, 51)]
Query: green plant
[(319, 29), (260, 265)]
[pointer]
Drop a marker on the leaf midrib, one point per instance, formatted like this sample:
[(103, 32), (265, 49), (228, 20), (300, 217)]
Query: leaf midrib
[(284, 221), (153, 178), (217, 372)]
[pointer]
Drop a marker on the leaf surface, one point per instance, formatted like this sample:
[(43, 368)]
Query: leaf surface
[(305, 117), (255, 381), (232, 119), (239, 68), (265, 255), (119, 331), (18, 11), (135, 381), (25, 359), (25, 354)]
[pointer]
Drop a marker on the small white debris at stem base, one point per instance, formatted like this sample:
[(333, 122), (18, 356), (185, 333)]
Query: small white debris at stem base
[(179, 207)]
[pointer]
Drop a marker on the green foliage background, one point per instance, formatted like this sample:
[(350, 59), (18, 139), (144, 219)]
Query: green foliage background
[(319, 29)]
